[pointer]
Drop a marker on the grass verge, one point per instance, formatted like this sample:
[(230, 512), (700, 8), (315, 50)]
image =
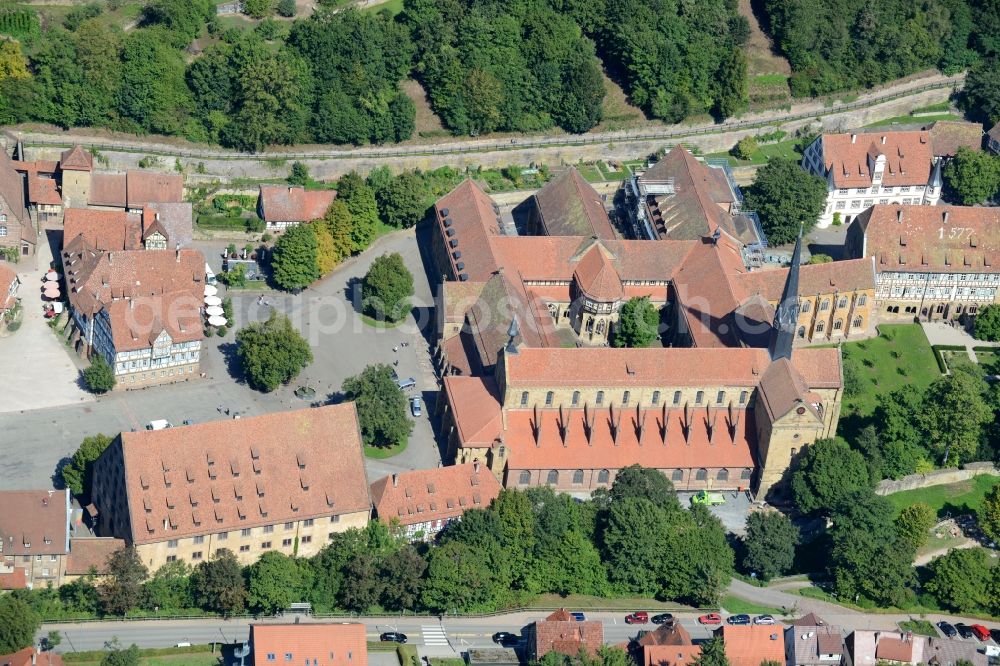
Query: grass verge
[(736, 605), (375, 323), (587, 602), (382, 452), (407, 655), (195, 655), (920, 627), (951, 499)]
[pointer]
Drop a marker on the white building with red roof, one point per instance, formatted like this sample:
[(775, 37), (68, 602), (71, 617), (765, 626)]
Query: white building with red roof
[(866, 169), (321, 644), (283, 206)]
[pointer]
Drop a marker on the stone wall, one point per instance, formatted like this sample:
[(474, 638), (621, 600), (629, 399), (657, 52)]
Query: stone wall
[(937, 478)]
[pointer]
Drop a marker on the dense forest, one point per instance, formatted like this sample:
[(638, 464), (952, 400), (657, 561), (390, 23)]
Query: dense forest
[(486, 65), (840, 44)]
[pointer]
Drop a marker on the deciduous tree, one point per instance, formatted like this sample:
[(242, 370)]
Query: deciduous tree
[(713, 653), (386, 288), (989, 514), (638, 323), (988, 323), (272, 352), (77, 473), (961, 580), (787, 198), (914, 523), (973, 176), (827, 472), (381, 406), (953, 416), (295, 263), (122, 590), (18, 624), (770, 544), (273, 581), (218, 583), (981, 93)]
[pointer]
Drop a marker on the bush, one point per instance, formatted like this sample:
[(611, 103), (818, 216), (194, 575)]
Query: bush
[(221, 331), (286, 8), (745, 148)]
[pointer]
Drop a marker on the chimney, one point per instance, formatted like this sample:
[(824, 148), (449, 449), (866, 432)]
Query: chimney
[(475, 466), (854, 138), (944, 217), (156, 216), (111, 258), (34, 657), (883, 139), (395, 480), (899, 215), (177, 253)]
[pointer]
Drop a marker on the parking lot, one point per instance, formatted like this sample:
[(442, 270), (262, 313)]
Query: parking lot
[(733, 513)]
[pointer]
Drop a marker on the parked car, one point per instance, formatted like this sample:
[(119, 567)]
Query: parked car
[(995, 635), (638, 617), (404, 384), (662, 618), (159, 424), (578, 616), (764, 619), (981, 632), (964, 630), (415, 406), (710, 618), (947, 629), (506, 639), (392, 637)]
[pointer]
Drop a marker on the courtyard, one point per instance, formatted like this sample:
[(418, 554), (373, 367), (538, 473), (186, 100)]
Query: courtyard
[(36, 439)]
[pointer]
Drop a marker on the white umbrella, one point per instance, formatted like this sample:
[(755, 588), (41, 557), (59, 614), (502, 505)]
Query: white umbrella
[(217, 321), (51, 276), (51, 290), (213, 310), (213, 300), (210, 290)]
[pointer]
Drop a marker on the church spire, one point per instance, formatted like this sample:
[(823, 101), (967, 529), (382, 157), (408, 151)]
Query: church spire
[(786, 316)]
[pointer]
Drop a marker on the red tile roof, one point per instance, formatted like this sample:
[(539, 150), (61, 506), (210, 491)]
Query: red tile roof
[(908, 158), (12, 190), (309, 460), (143, 291), (834, 276), (327, 644), (7, 277), (570, 206), (175, 219), (664, 367), (753, 644), (671, 633), (91, 552), (474, 220), (708, 291), (670, 655), (559, 632), (949, 239), (475, 403), (43, 191), (782, 388), (145, 187), (288, 203), (947, 136), (76, 159), (34, 522), (894, 649), (433, 494), (108, 189), (14, 580), (102, 229), (730, 446), (597, 278), (29, 656)]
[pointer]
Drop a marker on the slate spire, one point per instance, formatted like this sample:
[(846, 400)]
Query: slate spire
[(786, 316)]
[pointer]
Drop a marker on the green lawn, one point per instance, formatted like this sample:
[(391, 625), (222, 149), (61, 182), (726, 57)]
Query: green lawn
[(763, 153), (900, 355), (736, 605), (590, 172), (382, 452), (942, 107), (910, 120), (393, 7), (989, 361), (196, 655), (953, 498)]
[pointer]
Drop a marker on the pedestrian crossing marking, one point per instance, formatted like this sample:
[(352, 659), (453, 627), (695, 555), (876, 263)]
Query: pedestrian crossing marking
[(434, 634)]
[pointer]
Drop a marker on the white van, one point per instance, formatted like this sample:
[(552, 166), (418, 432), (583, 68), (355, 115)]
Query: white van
[(209, 275), (159, 424)]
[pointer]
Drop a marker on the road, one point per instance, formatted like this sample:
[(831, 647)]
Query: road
[(34, 441), (432, 635)]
